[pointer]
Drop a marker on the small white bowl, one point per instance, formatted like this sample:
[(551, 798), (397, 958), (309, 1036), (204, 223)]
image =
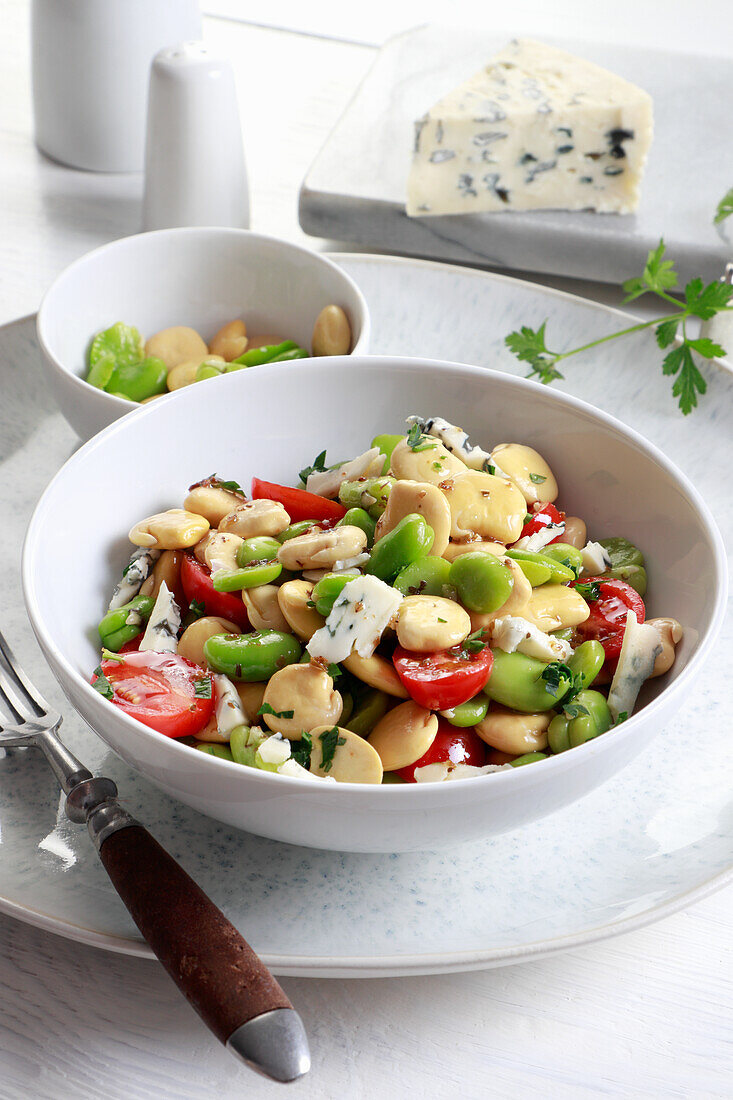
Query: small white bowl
[(270, 422), (201, 277)]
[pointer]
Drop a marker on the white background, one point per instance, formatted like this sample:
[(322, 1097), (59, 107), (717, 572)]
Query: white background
[(647, 1015)]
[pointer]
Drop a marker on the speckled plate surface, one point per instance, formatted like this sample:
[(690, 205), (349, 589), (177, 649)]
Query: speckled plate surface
[(652, 840)]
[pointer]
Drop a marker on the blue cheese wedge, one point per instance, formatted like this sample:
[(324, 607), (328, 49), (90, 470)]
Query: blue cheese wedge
[(326, 483), (540, 539), (595, 558), (136, 571), (454, 439), (514, 634), (536, 129), (639, 650), (161, 633), (357, 620), (229, 712)]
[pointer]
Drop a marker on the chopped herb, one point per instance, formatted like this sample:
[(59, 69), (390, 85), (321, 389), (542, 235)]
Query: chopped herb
[(318, 467), (267, 709), (574, 710), (554, 674), (330, 741), (310, 603), (442, 620), (621, 718), (416, 441), (333, 671), (488, 468), (724, 208), (438, 466), (474, 642), (538, 479), (527, 517), (102, 684), (590, 591), (202, 687), (229, 486), (197, 609), (301, 750)]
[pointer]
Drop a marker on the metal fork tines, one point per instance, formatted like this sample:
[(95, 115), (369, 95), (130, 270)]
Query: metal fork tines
[(33, 722)]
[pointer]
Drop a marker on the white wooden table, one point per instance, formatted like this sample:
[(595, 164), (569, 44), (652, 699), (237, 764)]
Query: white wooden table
[(648, 1015)]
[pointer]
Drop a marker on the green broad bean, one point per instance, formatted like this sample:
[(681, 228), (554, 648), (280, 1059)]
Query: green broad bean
[(287, 356), (536, 573), (260, 549), (483, 584), (391, 778), (516, 682), (565, 732), (252, 576), (115, 631), (101, 371), (136, 381), (370, 707), (427, 577), (558, 572), (251, 657), (622, 552), (566, 554), (328, 589), (347, 708), (587, 662), (222, 751), (123, 343), (371, 494), (565, 635), (527, 758), (207, 370), (358, 517), (240, 748), (406, 543), (255, 357), (469, 713), (296, 529), (386, 444), (635, 575)]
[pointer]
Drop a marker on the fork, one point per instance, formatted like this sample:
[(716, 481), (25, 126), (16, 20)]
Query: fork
[(214, 967)]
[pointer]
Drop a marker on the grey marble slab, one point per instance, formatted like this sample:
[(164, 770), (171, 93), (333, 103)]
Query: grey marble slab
[(355, 189)]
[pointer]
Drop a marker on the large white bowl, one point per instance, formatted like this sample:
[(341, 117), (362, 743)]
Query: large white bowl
[(201, 277), (271, 422)]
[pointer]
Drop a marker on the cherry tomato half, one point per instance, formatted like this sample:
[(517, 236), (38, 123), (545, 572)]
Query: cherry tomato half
[(543, 517), (197, 585), (460, 746), (607, 620), (439, 681), (159, 689), (298, 503)]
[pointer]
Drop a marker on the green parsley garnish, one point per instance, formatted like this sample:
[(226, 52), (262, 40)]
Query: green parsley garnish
[(537, 478), (553, 675), (659, 277), (621, 718), (488, 468), (474, 642), (333, 671), (102, 684), (197, 609), (416, 441), (318, 467), (330, 741), (301, 750), (230, 486), (202, 687), (590, 591), (573, 710), (724, 209), (267, 709)]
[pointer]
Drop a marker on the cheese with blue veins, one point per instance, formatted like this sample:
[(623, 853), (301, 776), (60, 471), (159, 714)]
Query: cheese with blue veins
[(595, 558), (326, 483), (135, 573), (537, 128), (229, 711), (454, 439), (357, 620), (161, 633), (639, 650), (513, 634)]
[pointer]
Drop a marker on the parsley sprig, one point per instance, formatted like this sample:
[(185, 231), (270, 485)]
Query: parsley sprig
[(318, 467), (724, 209), (659, 277), (417, 441)]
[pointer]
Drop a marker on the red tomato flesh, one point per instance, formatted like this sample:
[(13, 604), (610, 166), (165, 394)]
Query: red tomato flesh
[(439, 681), (298, 503), (159, 689), (460, 746), (197, 585), (607, 620), (542, 518)]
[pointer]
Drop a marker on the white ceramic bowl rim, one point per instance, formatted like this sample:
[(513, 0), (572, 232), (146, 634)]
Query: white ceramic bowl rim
[(561, 761), (122, 403)]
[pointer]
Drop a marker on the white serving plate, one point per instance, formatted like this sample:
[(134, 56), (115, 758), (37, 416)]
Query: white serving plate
[(650, 841), (355, 189)]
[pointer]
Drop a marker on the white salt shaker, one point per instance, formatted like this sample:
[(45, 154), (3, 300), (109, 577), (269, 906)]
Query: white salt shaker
[(194, 159), (91, 60)]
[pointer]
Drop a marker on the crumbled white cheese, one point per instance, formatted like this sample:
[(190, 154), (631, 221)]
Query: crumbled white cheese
[(513, 633), (161, 633), (274, 750), (134, 618), (540, 539), (326, 483), (438, 773), (350, 563), (639, 650), (454, 439), (229, 712), (357, 620), (595, 558), (139, 566), (297, 771)]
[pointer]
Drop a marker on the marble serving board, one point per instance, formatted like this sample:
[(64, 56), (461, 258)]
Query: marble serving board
[(355, 189)]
